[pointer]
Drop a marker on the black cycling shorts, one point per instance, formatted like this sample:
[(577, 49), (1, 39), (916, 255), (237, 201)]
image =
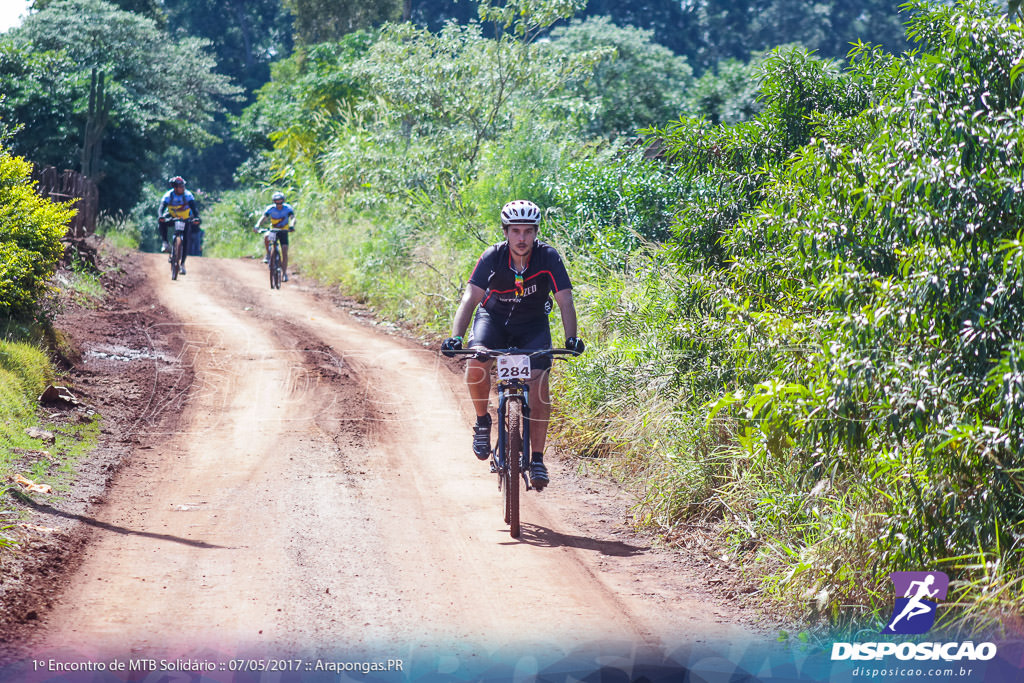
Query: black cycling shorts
[(534, 334), (282, 238)]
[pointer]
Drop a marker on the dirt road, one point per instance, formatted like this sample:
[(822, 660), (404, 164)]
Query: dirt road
[(317, 493)]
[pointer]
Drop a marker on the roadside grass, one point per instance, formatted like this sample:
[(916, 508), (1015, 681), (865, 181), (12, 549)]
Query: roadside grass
[(25, 371), (80, 285), (119, 230)]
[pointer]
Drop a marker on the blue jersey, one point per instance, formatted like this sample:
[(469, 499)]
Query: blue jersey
[(279, 217), (179, 205)]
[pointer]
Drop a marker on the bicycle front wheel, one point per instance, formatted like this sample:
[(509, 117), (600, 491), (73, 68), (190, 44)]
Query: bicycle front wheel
[(275, 269), (514, 435), (176, 257)]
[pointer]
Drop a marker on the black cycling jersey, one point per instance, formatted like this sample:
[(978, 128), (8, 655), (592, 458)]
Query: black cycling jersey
[(512, 300)]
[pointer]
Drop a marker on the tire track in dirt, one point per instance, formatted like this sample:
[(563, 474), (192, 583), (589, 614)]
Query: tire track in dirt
[(320, 494)]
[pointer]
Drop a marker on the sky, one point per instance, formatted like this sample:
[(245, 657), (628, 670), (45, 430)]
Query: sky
[(11, 12)]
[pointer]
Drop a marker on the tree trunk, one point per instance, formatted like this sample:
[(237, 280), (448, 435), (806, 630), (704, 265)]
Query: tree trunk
[(95, 124)]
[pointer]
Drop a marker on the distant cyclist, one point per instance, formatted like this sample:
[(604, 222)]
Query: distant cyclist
[(282, 217), (511, 285), (177, 204)]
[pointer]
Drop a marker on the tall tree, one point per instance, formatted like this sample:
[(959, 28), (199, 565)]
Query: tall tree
[(154, 9), (37, 92), (95, 123), (707, 31), (246, 37), (433, 14), (154, 103), (638, 84)]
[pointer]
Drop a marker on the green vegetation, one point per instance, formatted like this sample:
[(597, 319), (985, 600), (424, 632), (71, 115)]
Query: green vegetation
[(120, 230), (804, 296), (156, 93), (80, 284), (30, 231), (24, 372)]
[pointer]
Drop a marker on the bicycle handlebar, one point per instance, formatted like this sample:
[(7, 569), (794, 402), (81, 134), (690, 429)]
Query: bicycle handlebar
[(485, 354)]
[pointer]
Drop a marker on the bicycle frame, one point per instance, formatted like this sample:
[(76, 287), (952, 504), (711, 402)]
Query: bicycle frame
[(513, 389)]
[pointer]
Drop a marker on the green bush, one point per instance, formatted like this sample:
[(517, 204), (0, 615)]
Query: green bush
[(31, 228), (605, 211), (848, 264), (228, 224)]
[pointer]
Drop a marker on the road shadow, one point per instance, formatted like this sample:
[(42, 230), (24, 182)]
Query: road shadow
[(95, 523), (537, 535)]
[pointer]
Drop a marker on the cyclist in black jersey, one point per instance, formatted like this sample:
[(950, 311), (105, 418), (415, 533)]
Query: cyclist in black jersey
[(511, 289)]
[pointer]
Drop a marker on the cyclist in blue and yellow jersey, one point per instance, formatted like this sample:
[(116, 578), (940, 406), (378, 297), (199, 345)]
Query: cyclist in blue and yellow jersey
[(282, 217), (510, 289), (177, 204)]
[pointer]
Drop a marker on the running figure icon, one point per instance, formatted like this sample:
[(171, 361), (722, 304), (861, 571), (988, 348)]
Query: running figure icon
[(915, 607), (921, 593)]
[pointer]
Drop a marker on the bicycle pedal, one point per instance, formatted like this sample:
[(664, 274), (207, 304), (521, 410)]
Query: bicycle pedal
[(494, 469)]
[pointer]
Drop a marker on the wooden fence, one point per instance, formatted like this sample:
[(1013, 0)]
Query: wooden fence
[(67, 185)]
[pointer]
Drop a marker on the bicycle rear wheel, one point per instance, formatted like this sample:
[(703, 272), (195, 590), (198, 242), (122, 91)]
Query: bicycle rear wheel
[(514, 435)]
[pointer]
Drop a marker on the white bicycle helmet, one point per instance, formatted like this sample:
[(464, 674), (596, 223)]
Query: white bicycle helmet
[(520, 211), (277, 195)]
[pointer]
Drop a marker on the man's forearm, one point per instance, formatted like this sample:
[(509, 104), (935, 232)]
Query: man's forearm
[(462, 317), (568, 311)]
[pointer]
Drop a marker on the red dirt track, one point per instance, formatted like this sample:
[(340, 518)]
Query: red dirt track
[(299, 479)]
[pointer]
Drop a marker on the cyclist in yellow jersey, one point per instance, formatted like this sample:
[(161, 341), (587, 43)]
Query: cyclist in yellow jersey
[(177, 204)]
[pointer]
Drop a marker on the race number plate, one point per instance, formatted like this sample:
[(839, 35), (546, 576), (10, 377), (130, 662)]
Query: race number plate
[(513, 367), (179, 226)]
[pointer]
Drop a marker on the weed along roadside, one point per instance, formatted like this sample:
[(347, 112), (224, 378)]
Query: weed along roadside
[(46, 433)]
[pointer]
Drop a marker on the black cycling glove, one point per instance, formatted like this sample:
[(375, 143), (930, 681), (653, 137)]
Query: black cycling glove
[(451, 344), (575, 344)]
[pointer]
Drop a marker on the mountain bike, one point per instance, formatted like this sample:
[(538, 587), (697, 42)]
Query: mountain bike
[(274, 261), (510, 457), (181, 227)]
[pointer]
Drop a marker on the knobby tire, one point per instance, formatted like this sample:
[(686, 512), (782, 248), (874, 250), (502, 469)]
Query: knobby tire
[(514, 432), (275, 269), (176, 257)]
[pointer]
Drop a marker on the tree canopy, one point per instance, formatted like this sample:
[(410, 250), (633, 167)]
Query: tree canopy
[(154, 104)]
